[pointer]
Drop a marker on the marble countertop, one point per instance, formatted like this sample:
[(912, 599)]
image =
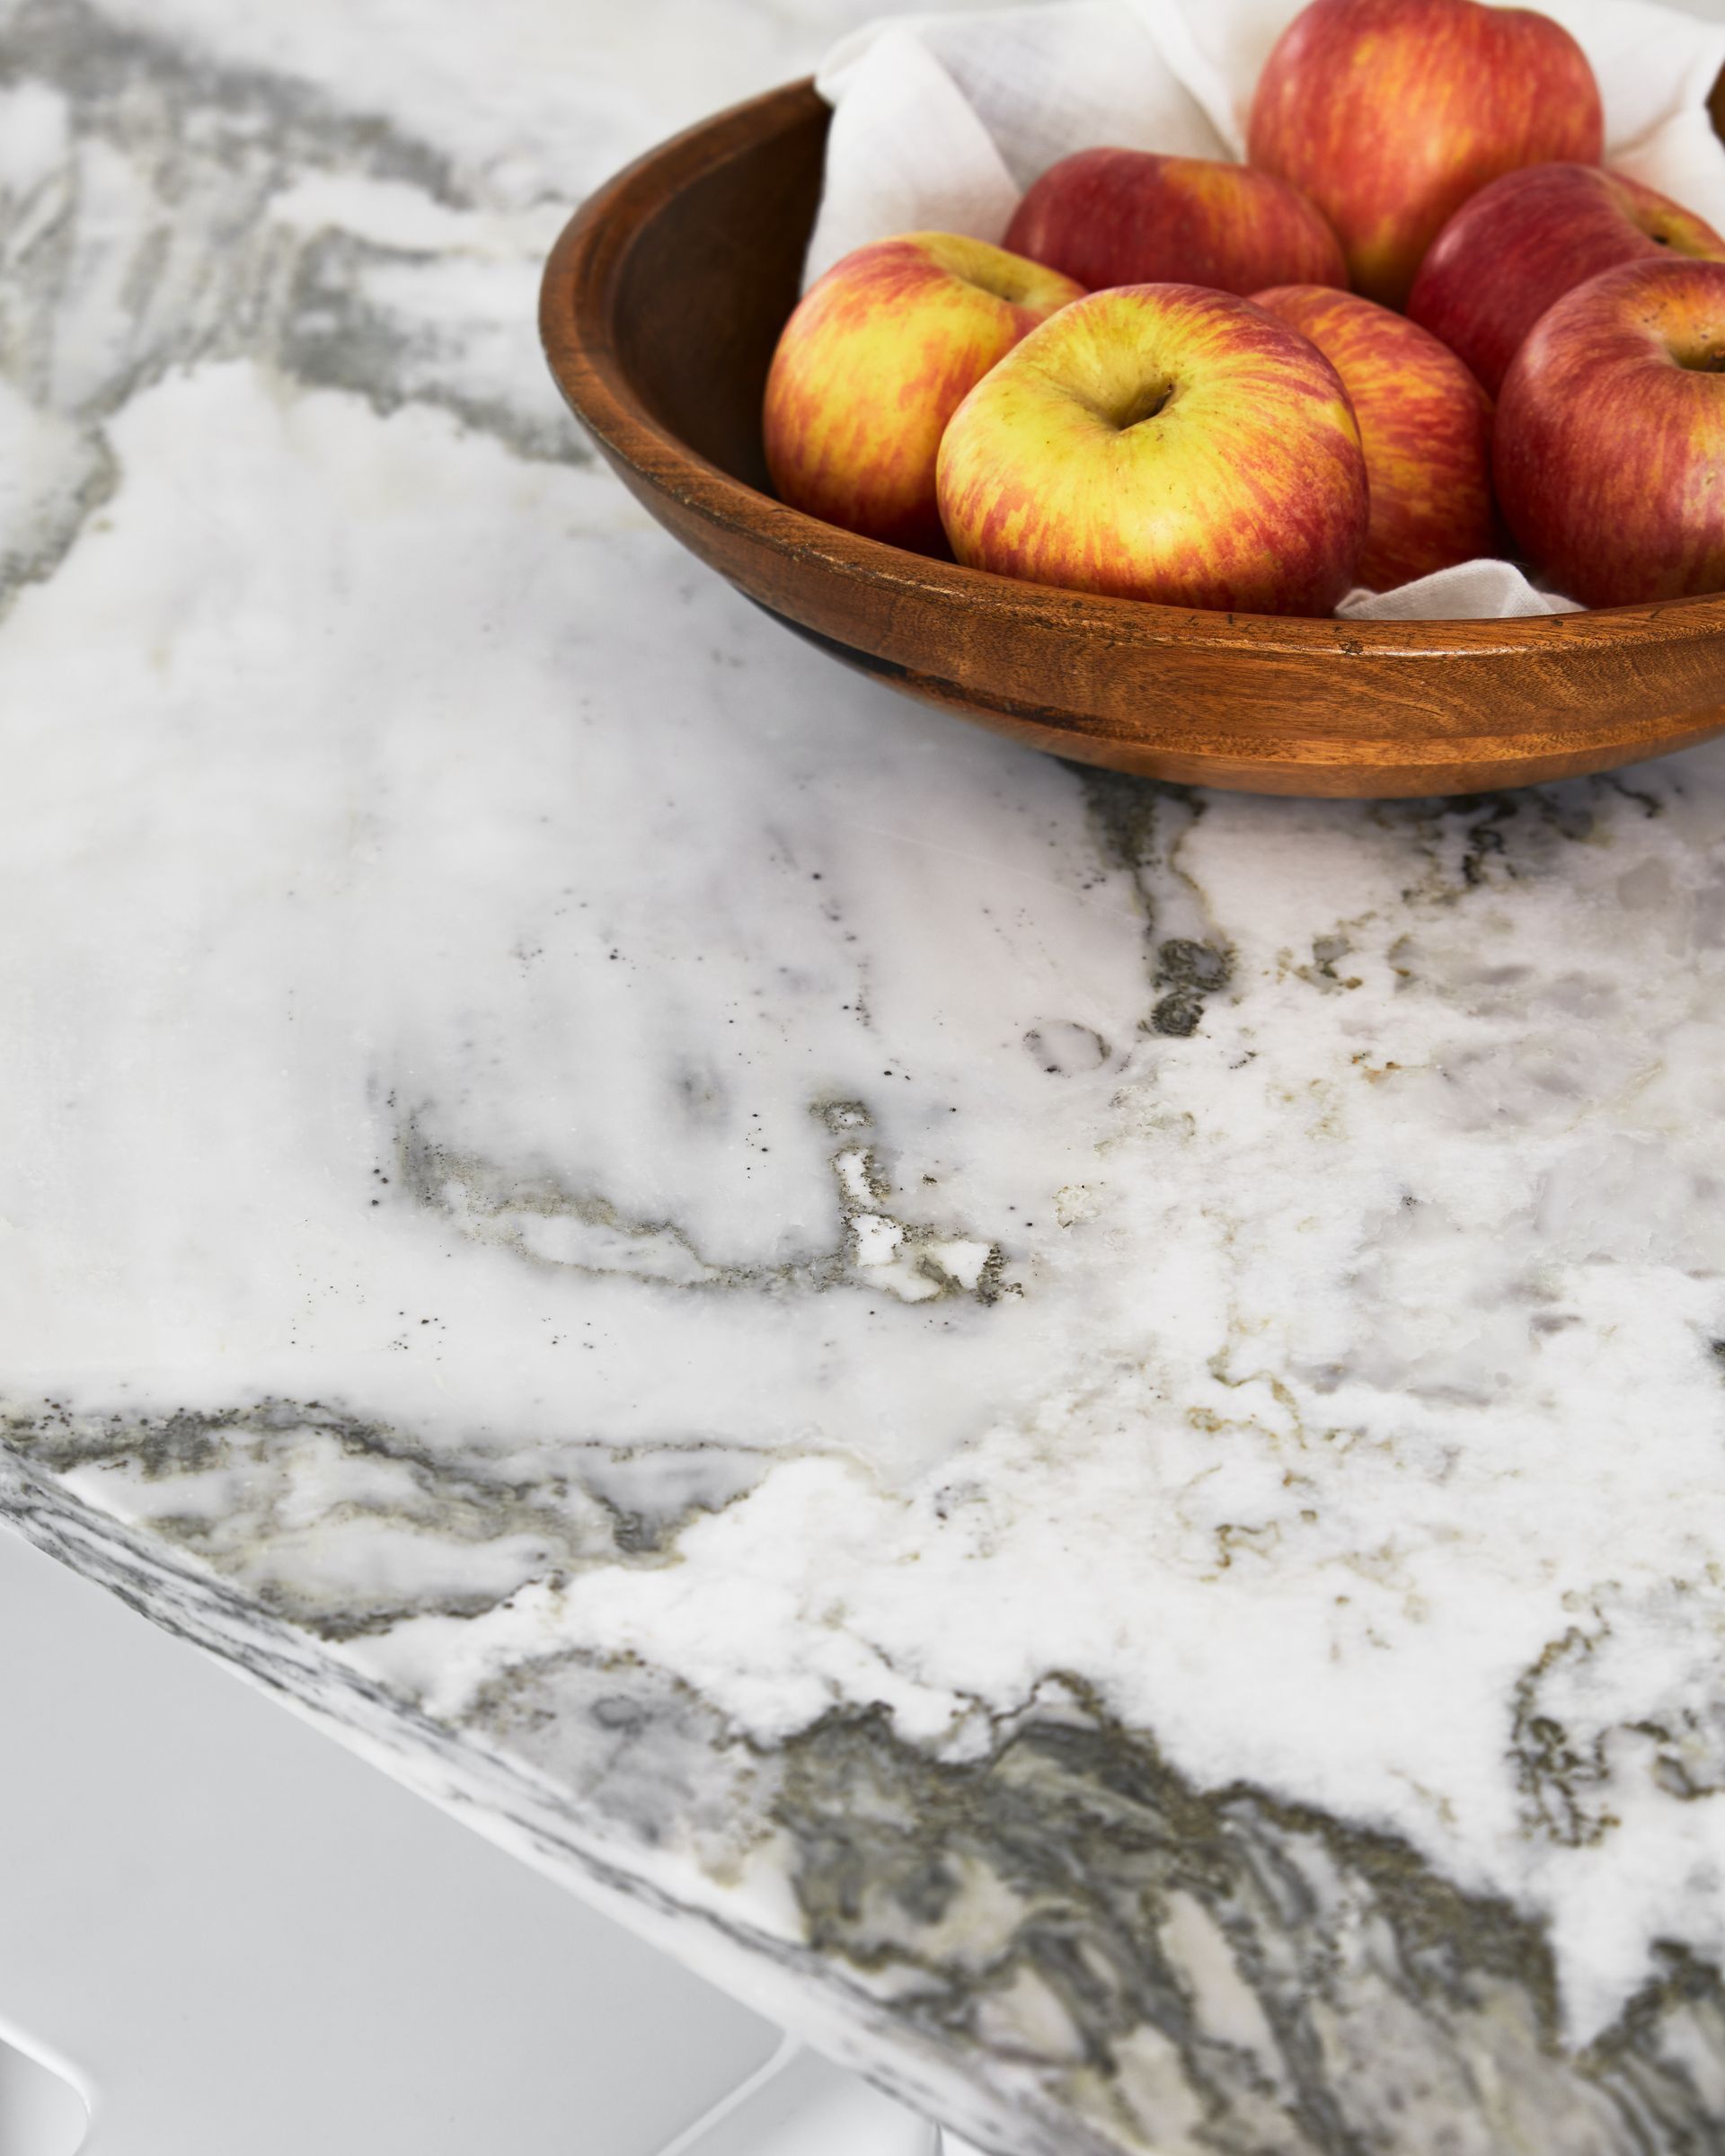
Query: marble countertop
[(1072, 1431)]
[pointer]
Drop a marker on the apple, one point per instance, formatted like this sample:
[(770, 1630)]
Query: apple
[(872, 364), (1391, 113), (1162, 442), (1610, 453), (1127, 217), (1425, 425), (1530, 237)]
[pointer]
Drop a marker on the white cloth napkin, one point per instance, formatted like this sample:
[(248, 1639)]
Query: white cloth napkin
[(939, 122)]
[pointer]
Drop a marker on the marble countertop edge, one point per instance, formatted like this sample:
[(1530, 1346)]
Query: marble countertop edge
[(789, 1985)]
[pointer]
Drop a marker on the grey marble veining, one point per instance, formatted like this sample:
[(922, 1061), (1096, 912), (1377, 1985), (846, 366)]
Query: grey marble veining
[(1070, 1430)]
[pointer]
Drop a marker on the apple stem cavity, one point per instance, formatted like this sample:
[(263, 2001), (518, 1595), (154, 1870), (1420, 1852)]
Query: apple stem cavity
[(1001, 284), (1152, 399)]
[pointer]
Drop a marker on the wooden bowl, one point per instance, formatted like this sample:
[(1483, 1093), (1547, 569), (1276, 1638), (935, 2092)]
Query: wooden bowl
[(661, 303)]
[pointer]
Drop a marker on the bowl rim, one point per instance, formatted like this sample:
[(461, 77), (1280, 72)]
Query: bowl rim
[(575, 321)]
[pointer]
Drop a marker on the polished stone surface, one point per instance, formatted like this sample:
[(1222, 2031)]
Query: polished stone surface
[(1071, 1431)]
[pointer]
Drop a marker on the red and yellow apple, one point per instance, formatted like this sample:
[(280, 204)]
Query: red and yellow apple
[(1391, 113), (1530, 237), (1425, 425), (1610, 453), (873, 362), (1127, 217), (1162, 442)]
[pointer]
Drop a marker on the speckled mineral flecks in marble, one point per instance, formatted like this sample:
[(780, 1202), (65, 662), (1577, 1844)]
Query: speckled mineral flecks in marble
[(1072, 1430)]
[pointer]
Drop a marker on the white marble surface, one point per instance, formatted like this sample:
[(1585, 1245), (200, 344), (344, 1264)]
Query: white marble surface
[(1072, 1431)]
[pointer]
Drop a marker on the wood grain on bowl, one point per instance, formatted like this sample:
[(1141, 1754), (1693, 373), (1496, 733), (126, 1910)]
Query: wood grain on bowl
[(660, 307)]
